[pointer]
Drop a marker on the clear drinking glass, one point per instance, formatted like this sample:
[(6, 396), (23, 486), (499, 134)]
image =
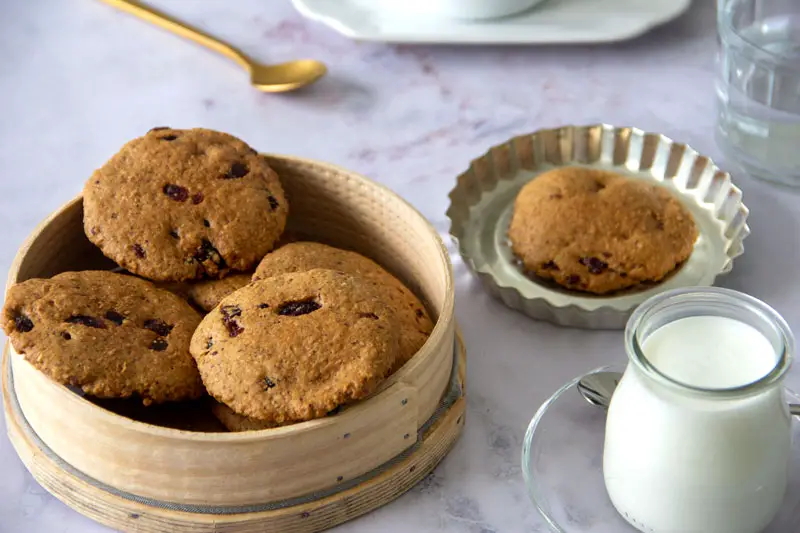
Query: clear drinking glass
[(758, 86)]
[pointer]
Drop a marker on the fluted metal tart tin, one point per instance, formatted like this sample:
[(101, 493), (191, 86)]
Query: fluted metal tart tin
[(481, 205)]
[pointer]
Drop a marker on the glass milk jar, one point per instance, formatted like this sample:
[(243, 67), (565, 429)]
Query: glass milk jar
[(698, 434)]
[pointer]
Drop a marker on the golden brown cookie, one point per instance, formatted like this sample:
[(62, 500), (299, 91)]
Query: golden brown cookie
[(176, 205), (294, 347), (208, 293), (599, 232), (415, 324), (112, 335), (233, 421), (179, 288)]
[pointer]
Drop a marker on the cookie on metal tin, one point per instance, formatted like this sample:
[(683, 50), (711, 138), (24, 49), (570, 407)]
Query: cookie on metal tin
[(597, 231)]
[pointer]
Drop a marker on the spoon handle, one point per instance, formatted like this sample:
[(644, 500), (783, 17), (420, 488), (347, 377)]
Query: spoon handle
[(178, 27)]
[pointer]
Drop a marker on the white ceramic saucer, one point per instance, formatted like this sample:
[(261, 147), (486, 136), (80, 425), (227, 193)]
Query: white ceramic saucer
[(553, 21), (562, 463)]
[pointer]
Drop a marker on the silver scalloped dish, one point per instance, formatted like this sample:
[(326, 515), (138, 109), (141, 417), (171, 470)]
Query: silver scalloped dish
[(482, 201)]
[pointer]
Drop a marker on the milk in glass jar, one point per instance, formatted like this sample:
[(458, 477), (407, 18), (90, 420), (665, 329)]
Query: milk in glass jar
[(698, 434)]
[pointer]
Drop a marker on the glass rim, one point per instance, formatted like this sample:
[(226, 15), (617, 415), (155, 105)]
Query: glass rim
[(725, 19), (756, 306)]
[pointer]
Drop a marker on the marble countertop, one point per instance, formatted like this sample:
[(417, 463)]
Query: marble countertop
[(79, 79)]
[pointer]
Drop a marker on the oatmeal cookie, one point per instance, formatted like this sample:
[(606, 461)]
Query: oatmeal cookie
[(233, 421), (599, 232), (207, 294), (112, 335), (415, 323), (296, 346), (177, 205)]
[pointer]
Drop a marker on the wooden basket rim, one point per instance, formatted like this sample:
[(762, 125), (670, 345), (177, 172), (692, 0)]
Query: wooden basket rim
[(274, 433), (456, 390), (325, 511)]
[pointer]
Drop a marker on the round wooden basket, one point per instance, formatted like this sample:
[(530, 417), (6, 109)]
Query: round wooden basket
[(143, 477)]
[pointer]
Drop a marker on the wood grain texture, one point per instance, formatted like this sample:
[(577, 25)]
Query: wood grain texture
[(252, 468), (128, 516)]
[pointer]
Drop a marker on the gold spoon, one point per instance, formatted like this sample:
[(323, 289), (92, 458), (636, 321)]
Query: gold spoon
[(269, 78)]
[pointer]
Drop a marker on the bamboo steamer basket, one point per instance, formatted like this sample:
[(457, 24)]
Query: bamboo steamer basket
[(137, 476)]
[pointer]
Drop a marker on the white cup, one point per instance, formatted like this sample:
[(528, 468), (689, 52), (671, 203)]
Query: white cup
[(468, 9)]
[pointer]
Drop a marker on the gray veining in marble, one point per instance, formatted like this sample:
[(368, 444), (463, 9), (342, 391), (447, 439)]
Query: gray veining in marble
[(78, 79)]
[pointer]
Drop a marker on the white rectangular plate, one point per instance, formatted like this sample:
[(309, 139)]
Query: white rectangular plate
[(554, 21)]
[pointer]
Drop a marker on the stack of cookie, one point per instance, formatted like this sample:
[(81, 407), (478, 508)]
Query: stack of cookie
[(195, 220)]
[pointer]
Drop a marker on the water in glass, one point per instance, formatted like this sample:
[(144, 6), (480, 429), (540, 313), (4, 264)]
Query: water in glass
[(759, 86)]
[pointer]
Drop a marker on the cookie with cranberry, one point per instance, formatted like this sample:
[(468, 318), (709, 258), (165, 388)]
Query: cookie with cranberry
[(112, 335), (178, 205), (208, 293), (414, 322), (233, 421), (180, 288), (296, 346), (597, 231)]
